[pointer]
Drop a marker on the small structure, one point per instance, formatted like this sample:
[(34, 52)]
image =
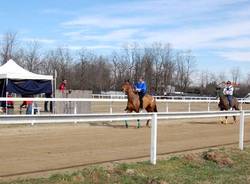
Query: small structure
[(15, 79)]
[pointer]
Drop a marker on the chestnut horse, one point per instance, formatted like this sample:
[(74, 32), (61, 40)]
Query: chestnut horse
[(133, 104), (224, 105)]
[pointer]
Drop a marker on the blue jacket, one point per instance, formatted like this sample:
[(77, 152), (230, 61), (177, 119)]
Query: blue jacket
[(141, 87)]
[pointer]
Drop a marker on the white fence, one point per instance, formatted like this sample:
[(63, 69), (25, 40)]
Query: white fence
[(173, 97), (111, 101), (59, 118), (112, 96)]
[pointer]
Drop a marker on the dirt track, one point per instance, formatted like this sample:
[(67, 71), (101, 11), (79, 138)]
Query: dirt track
[(47, 147)]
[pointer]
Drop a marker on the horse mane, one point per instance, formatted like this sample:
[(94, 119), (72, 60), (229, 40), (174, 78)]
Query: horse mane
[(132, 87)]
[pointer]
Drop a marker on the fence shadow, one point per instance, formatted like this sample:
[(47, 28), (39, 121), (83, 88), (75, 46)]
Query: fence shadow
[(116, 125), (205, 122)]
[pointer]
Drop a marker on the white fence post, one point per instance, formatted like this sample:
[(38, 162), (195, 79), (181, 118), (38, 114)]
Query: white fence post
[(32, 111), (110, 107), (75, 110), (166, 106), (153, 150), (241, 137)]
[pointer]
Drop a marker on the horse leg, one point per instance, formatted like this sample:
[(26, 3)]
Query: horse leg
[(150, 109), (234, 119), (126, 123), (226, 119), (138, 123), (221, 120), (236, 108)]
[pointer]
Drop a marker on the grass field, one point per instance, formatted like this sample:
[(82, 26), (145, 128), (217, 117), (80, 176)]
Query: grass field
[(185, 168)]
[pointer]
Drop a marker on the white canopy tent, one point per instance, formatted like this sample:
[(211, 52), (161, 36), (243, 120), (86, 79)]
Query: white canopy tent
[(11, 70)]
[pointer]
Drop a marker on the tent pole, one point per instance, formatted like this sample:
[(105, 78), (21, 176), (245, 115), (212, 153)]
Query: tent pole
[(6, 108), (52, 95), (55, 73)]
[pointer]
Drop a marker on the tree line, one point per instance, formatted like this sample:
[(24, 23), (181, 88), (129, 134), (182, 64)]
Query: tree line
[(160, 65)]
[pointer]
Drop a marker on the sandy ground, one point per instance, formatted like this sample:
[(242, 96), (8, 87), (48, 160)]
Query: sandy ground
[(27, 149), (39, 148)]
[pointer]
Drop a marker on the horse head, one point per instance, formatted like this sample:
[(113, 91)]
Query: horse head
[(126, 87)]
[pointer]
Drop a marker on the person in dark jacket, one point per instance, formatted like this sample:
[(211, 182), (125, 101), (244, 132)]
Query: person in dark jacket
[(48, 95)]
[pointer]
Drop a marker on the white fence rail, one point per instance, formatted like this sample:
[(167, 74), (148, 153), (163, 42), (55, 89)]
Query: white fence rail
[(111, 101), (112, 96), (173, 97), (59, 118)]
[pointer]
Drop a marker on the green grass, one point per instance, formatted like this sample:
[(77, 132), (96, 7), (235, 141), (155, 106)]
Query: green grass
[(175, 170)]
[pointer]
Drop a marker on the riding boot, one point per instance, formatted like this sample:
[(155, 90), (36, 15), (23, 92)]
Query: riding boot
[(141, 103)]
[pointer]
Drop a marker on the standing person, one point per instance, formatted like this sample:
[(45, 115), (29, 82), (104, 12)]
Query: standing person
[(29, 104), (48, 95), (24, 104), (141, 88), (63, 87), (228, 92), (65, 93)]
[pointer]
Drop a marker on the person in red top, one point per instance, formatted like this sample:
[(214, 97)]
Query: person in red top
[(29, 104), (62, 86)]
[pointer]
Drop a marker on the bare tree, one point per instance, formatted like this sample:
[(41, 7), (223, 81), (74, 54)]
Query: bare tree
[(248, 79), (221, 77), (8, 45), (33, 57), (235, 75), (82, 70), (185, 67)]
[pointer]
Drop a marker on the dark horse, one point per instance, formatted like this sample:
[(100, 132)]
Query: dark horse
[(224, 105), (133, 104)]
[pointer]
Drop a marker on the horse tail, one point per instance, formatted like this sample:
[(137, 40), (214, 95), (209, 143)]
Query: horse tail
[(155, 109), (154, 104), (236, 104)]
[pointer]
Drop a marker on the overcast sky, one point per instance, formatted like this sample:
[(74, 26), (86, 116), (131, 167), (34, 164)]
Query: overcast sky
[(217, 31)]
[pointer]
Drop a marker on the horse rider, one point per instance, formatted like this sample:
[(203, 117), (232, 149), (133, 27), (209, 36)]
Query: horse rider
[(228, 92), (141, 88)]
